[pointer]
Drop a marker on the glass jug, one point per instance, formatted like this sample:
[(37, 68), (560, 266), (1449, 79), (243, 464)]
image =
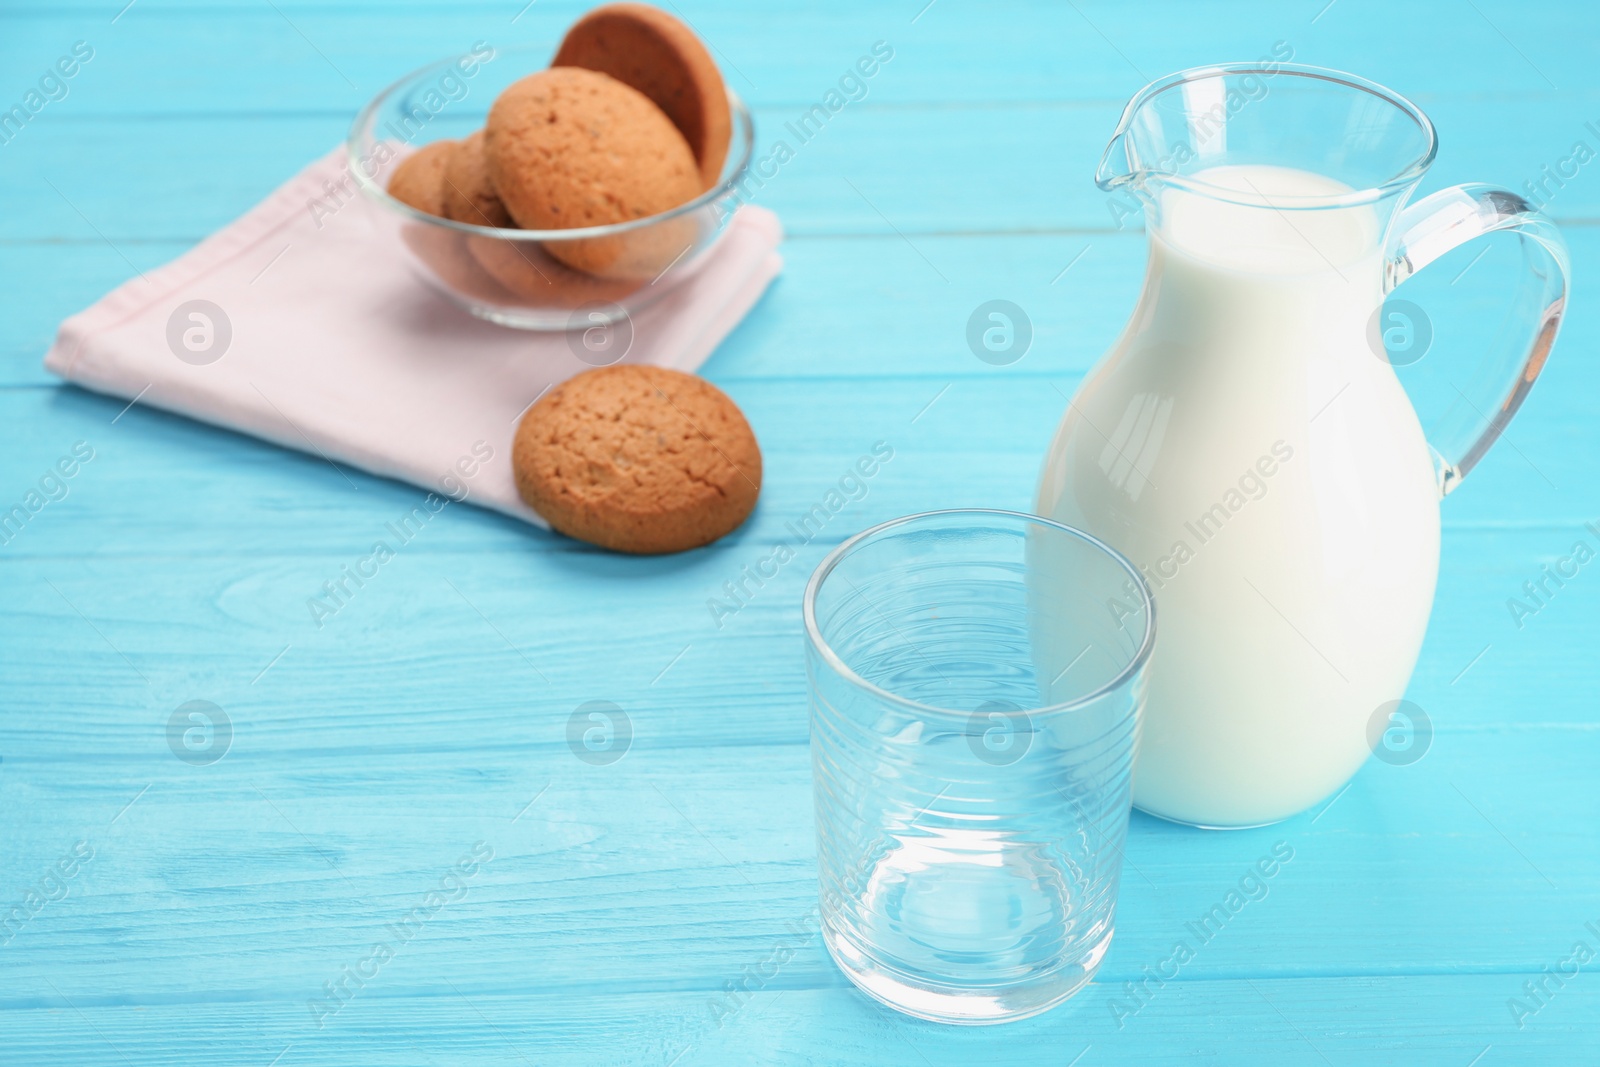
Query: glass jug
[(1246, 441)]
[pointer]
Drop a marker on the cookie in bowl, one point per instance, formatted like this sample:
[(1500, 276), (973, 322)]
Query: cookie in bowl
[(467, 194), (664, 59), (418, 180), (530, 273), (570, 148)]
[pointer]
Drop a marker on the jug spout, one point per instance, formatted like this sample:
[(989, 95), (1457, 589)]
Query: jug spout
[(1179, 131), (1116, 169)]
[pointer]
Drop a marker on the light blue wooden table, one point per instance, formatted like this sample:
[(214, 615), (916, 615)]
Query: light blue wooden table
[(172, 912)]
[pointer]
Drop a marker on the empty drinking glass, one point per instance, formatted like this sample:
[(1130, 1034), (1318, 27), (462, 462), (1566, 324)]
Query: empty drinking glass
[(976, 684)]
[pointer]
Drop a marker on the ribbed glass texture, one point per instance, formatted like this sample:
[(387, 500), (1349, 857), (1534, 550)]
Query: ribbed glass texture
[(975, 684)]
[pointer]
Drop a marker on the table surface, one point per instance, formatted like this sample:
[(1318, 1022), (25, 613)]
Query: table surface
[(210, 908)]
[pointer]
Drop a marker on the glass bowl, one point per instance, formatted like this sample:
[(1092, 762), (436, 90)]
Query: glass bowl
[(524, 278)]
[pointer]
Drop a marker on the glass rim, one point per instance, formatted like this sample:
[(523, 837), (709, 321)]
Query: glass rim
[(1409, 174), (847, 547), (739, 113)]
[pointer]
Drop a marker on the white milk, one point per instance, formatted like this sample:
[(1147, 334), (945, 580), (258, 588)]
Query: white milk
[(1246, 448)]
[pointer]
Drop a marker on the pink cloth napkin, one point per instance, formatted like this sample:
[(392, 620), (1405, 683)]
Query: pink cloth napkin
[(331, 346)]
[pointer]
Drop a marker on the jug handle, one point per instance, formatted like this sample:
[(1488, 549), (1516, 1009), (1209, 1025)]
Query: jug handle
[(1446, 220)]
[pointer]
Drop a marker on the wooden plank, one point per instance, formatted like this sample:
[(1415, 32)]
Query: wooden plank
[(312, 56), (981, 442), (871, 307), (651, 873), (915, 169), (1427, 1021), (882, 338), (106, 644)]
